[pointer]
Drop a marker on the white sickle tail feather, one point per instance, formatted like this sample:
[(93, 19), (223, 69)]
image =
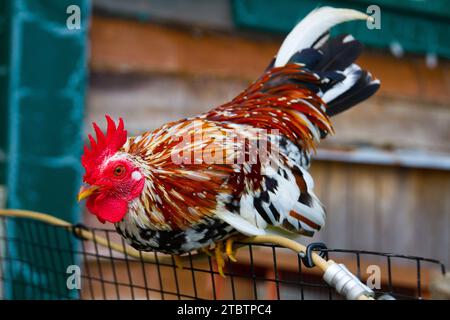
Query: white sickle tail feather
[(314, 25), (343, 83)]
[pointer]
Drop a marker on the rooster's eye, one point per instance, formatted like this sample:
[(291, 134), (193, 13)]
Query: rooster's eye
[(119, 170)]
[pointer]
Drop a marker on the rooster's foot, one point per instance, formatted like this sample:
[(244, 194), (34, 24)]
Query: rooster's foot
[(229, 249), (218, 250)]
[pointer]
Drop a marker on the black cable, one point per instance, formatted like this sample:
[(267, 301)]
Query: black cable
[(76, 230), (319, 247)]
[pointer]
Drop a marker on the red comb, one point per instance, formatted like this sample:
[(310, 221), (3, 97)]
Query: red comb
[(106, 145)]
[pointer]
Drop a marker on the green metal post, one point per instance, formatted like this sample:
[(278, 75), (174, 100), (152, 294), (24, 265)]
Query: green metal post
[(45, 92)]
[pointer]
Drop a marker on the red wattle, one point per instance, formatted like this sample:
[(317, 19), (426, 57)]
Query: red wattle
[(107, 208)]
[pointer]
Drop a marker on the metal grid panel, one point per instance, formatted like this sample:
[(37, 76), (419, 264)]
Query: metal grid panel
[(262, 271)]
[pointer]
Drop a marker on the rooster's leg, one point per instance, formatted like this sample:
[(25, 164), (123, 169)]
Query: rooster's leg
[(229, 249), (219, 258), (177, 261), (205, 251)]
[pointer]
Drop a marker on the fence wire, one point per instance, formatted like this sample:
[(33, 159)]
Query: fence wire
[(41, 261)]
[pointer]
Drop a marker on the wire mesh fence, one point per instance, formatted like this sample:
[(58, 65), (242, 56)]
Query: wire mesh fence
[(41, 261)]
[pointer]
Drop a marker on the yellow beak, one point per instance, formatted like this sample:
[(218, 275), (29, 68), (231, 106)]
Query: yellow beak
[(86, 192)]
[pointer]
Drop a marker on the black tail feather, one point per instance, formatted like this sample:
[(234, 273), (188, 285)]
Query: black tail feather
[(339, 53), (363, 89), (333, 62)]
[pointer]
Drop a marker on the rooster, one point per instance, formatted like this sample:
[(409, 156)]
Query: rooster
[(180, 187)]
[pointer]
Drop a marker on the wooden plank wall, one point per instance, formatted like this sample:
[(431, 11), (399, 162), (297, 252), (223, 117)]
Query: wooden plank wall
[(385, 208), (151, 74)]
